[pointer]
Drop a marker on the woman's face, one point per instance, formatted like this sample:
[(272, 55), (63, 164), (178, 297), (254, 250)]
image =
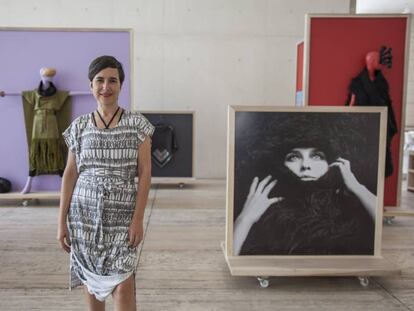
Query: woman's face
[(309, 164), (106, 86)]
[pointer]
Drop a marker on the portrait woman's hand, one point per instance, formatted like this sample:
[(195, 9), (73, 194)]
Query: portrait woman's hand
[(348, 177), (256, 204), (257, 201), (367, 198)]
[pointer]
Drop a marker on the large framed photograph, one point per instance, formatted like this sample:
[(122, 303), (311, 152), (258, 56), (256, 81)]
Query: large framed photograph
[(305, 181)]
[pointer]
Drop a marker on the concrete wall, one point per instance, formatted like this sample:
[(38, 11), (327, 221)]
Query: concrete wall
[(195, 55)]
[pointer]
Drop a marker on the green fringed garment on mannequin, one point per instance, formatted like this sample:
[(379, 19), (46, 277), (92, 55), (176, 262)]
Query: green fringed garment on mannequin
[(45, 118)]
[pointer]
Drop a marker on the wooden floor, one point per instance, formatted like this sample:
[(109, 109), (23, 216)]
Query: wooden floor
[(182, 266)]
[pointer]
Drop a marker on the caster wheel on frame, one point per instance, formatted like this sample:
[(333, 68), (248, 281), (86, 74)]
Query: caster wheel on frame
[(388, 220), (363, 280), (263, 281)]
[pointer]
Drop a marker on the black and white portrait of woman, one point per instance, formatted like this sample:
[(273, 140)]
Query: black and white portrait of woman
[(305, 183)]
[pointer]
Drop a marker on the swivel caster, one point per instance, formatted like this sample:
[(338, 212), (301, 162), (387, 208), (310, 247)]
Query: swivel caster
[(363, 280), (263, 281), (388, 220), (181, 185), (25, 203)]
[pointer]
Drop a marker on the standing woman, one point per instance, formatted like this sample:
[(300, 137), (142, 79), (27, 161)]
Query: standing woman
[(101, 210)]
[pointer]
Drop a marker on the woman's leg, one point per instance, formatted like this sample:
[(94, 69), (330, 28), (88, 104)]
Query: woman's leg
[(93, 303), (124, 295)]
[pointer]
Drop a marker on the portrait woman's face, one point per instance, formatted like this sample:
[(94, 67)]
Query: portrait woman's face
[(309, 164)]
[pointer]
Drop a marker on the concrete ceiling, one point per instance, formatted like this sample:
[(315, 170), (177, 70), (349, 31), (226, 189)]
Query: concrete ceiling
[(384, 6)]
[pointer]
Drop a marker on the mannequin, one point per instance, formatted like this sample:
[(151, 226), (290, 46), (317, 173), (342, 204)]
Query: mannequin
[(372, 63), (57, 107), (370, 88)]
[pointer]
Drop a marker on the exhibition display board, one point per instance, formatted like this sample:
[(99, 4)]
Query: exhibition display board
[(299, 74), (336, 52), (172, 146), (24, 51), (300, 198)]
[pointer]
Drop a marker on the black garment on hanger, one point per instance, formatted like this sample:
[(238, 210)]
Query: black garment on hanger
[(51, 90), (375, 93), (164, 144), (5, 185)]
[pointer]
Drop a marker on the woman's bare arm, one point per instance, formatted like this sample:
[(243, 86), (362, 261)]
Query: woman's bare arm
[(69, 179)]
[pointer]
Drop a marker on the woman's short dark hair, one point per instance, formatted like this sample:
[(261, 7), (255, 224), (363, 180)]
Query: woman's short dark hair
[(102, 62)]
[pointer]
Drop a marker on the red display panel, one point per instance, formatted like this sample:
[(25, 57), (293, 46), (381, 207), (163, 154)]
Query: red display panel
[(337, 49), (299, 67)]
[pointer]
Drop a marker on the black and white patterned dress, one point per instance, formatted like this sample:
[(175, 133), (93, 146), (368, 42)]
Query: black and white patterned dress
[(103, 200)]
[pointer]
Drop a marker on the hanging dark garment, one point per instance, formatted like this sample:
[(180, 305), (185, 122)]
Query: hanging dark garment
[(164, 144), (375, 93), (47, 113), (5, 185)]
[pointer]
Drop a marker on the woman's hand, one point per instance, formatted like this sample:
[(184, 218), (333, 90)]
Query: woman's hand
[(367, 198), (256, 204), (348, 177), (63, 237), (135, 233), (258, 201)]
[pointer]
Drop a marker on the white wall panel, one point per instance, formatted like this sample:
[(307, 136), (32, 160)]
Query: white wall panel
[(145, 16), (215, 16), (90, 13), (149, 72), (287, 18), (280, 74), (5, 12), (206, 75), (38, 13)]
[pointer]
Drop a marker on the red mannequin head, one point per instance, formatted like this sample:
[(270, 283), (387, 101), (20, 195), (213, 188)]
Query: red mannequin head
[(372, 59)]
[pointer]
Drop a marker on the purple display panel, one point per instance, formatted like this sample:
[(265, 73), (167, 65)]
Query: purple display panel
[(22, 54)]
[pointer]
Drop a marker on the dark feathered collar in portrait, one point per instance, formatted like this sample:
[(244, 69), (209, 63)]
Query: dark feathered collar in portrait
[(314, 218)]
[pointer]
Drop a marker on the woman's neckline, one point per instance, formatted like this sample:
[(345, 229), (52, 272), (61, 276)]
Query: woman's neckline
[(93, 121)]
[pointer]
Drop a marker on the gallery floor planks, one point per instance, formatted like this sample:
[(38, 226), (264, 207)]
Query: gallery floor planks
[(186, 270)]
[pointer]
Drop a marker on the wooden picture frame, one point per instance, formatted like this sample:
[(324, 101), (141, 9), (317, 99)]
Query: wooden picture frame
[(246, 134), (304, 265), (334, 53)]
